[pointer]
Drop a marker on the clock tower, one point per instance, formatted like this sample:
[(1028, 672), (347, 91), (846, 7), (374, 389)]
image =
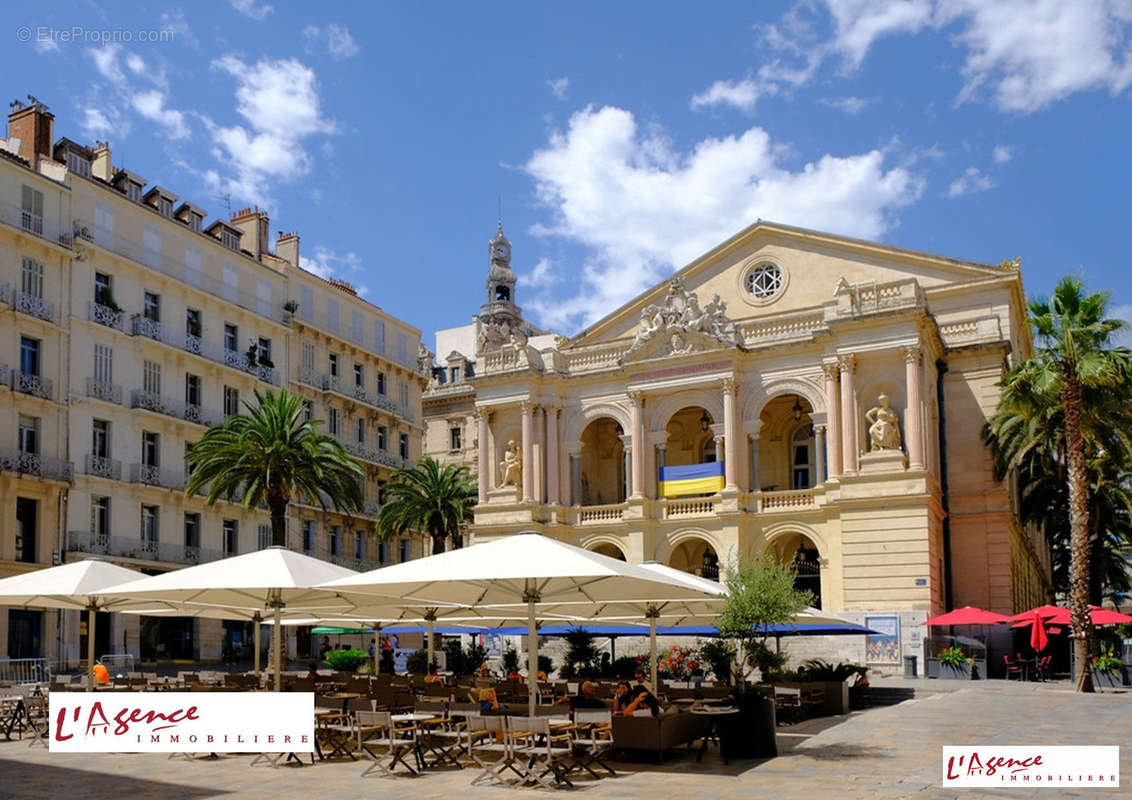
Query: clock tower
[(500, 308)]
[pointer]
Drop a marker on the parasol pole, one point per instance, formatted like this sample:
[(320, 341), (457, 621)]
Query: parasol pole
[(377, 648), (652, 615), (532, 653), (91, 615), (257, 621), (276, 643), (430, 620)]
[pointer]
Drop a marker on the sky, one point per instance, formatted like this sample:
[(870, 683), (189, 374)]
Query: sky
[(618, 140)]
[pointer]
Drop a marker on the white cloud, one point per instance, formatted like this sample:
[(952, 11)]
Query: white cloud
[(334, 39), (739, 94), (1002, 154), (641, 208), (327, 263), (971, 181), (859, 23), (46, 44), (249, 8), (122, 69), (559, 86), (106, 62), (850, 105), (96, 124), (151, 105), (174, 20), (540, 276)]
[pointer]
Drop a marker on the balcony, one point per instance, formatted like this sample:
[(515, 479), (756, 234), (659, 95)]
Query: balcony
[(788, 500), (150, 401), (35, 385), (601, 515), (104, 315), (138, 548), (103, 467), (691, 507), (144, 326), (190, 343), (34, 306), (149, 475), (101, 390), (34, 224), (332, 383), (38, 465), (371, 508)]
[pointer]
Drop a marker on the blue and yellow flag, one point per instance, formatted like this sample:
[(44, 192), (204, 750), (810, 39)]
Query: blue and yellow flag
[(691, 479)]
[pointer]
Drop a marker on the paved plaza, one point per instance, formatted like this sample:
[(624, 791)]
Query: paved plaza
[(891, 751)]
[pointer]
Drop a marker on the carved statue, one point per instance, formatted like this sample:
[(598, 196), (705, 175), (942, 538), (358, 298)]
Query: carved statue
[(494, 335), (681, 326), (511, 466), (884, 426)]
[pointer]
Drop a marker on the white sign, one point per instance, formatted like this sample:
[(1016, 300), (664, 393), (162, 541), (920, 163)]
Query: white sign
[(175, 722), (1031, 767)]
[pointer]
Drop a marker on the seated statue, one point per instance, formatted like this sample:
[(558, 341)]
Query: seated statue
[(511, 466), (884, 426)]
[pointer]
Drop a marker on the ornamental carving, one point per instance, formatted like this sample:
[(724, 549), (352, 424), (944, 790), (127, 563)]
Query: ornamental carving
[(494, 335), (680, 326)]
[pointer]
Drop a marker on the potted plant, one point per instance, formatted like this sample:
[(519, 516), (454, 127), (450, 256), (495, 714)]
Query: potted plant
[(105, 298), (1108, 670), (954, 664), (346, 660), (291, 306), (719, 654), (253, 351), (834, 680)]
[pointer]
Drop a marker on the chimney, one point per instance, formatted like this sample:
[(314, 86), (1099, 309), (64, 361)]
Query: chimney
[(287, 247), (34, 126), (253, 223), (100, 167)]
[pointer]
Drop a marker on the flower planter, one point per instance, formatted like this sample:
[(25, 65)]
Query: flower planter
[(1108, 680), (974, 669), (751, 733)]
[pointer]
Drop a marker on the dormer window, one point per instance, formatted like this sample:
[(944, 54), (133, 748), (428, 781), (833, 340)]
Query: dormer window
[(78, 164), (195, 221), (230, 240), (455, 372), (165, 206), (133, 192)]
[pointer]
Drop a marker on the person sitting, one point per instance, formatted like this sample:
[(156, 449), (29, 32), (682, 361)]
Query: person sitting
[(312, 671), (484, 671), (626, 700), (586, 698), (513, 674), (642, 682), (488, 700), (434, 675), (541, 675), (101, 674)]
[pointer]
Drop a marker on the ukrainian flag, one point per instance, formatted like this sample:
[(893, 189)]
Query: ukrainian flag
[(691, 479)]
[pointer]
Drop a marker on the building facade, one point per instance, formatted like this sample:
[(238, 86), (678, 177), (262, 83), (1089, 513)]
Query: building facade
[(841, 385), (131, 326)]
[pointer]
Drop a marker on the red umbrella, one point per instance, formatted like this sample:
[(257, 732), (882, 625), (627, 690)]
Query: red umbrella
[(1041, 611), (1101, 616), (1038, 638), (968, 615)]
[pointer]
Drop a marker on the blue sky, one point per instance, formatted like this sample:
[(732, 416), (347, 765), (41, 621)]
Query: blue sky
[(623, 139)]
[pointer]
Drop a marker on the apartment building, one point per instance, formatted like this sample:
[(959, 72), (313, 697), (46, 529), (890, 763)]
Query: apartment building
[(134, 325)]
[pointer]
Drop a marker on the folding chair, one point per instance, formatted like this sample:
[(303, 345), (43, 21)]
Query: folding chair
[(547, 753), (398, 742), (35, 712), (489, 746), (445, 741), (593, 739)]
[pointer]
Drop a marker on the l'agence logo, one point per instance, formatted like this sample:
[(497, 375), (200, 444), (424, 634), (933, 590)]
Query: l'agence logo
[(164, 722), (1032, 766)]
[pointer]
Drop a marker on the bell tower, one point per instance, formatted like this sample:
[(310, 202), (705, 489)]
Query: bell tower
[(500, 308)]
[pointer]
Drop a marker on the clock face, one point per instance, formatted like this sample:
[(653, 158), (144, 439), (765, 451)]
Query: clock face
[(499, 251)]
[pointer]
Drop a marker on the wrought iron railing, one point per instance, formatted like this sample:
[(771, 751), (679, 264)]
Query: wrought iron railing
[(33, 384), (103, 467), (105, 315), (190, 412), (150, 475), (101, 390), (35, 464), (34, 306)]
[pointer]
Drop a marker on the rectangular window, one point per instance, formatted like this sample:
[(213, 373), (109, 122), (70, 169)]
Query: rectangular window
[(359, 376), (381, 493), (382, 438), (149, 524), (379, 336), (187, 466), (263, 536), (308, 356), (406, 552), (27, 529), (151, 449), (103, 218), (454, 375), (263, 298), (103, 363), (332, 421), (454, 442), (31, 278), (335, 541), (332, 315), (402, 348), (231, 337), (103, 289), (192, 322), (230, 239), (263, 351), (133, 192), (357, 330), (381, 383), (361, 430), (192, 530), (404, 449), (152, 307), (28, 434), (165, 206), (99, 517), (308, 535), (382, 553), (100, 438), (306, 303), (151, 377), (230, 533), (192, 258), (231, 401), (78, 164), (29, 355), (151, 241), (359, 545), (192, 390), (308, 410), (403, 388), (195, 222), (231, 288), (31, 217), (333, 360)]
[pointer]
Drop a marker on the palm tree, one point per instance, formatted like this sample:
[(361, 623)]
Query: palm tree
[(428, 498), (271, 454), (1073, 366)]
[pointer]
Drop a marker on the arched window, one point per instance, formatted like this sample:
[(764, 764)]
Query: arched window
[(802, 458), (707, 451)]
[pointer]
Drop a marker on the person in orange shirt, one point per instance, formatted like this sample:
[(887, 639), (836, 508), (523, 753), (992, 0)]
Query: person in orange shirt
[(101, 674)]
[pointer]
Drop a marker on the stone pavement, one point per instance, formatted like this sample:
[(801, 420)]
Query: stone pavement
[(884, 752)]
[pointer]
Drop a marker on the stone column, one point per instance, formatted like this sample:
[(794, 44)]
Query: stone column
[(575, 478), (552, 487), (484, 466), (833, 418), (637, 460), (819, 454), (754, 442), (849, 452), (913, 416), (539, 451), (528, 452), (732, 447), (627, 465)]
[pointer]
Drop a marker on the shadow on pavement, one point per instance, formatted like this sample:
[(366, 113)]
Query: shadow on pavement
[(20, 780)]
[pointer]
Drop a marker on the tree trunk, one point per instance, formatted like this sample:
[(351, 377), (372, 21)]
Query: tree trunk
[(278, 522), (438, 538), (1078, 533)]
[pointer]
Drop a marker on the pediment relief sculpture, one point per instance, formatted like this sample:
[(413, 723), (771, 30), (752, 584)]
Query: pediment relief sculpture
[(679, 326)]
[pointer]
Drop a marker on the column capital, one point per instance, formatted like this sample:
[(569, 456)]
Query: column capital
[(830, 370), (636, 397), (482, 412), (819, 428), (847, 362), (912, 354), (527, 406), (728, 385)]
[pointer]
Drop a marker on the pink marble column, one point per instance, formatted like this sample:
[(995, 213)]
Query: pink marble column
[(913, 415), (484, 467), (552, 480), (528, 452), (833, 419), (849, 453), (637, 457)]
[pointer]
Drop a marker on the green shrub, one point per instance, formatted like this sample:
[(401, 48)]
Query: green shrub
[(954, 657), (818, 670), (510, 660), (417, 663), (623, 667), (346, 660), (719, 654)]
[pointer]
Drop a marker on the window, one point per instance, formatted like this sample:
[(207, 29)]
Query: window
[(149, 524), (263, 536), (381, 383), (165, 206), (406, 553), (192, 390), (27, 529), (31, 217), (332, 315), (103, 290), (359, 376), (357, 329), (308, 535), (379, 336), (103, 218), (192, 322), (306, 303), (99, 517), (454, 375), (100, 438), (188, 465), (308, 410), (307, 361), (764, 281), (230, 239), (230, 535), (231, 401), (404, 449), (707, 451), (231, 337), (334, 365), (194, 222), (31, 278), (151, 308), (28, 434), (332, 421), (263, 351), (404, 391), (103, 363), (151, 449), (801, 445), (78, 163), (335, 541), (382, 553), (133, 192), (382, 438), (454, 442), (192, 530), (151, 377), (402, 348), (151, 240), (361, 430), (359, 545), (381, 493), (29, 355)]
